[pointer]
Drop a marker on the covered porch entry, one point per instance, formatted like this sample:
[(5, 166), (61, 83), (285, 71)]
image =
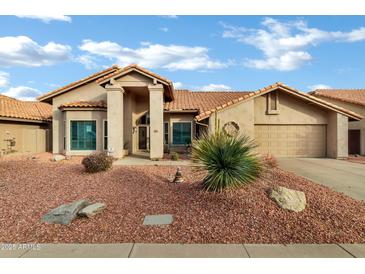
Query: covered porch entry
[(135, 101)]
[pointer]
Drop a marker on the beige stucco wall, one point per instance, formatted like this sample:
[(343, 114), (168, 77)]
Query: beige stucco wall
[(292, 110), (337, 135), (115, 116), (28, 137), (353, 124), (89, 92), (73, 115), (156, 121), (241, 113), (134, 79)]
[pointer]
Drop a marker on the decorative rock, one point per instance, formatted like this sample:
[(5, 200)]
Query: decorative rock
[(58, 157), (64, 214), (178, 176), (91, 210), (289, 199), (164, 219)]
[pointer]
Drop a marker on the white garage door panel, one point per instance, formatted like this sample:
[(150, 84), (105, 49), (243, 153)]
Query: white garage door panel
[(291, 140)]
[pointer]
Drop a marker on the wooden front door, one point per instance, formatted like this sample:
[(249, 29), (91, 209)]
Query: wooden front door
[(354, 141)]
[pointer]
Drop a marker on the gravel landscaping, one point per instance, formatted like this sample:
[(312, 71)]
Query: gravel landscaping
[(31, 188)]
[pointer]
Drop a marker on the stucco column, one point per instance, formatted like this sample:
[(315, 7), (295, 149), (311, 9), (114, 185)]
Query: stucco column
[(337, 135), (115, 119), (156, 121)]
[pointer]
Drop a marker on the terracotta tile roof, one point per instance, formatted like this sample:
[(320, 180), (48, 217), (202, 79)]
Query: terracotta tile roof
[(13, 108), (77, 83), (353, 96), (223, 103), (169, 87), (84, 104), (134, 66), (202, 101)]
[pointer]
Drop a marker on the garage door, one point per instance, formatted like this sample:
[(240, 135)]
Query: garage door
[(291, 140)]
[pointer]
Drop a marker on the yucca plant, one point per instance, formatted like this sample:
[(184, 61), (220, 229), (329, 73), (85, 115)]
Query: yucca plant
[(228, 160)]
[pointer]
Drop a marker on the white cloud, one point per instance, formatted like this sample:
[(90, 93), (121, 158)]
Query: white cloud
[(23, 51), (286, 43), (215, 87), (288, 61), (164, 29), (4, 79), (48, 18), (88, 61), (169, 16), (22, 93), (318, 86), (178, 85), (171, 57)]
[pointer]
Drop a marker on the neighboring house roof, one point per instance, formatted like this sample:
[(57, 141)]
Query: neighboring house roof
[(201, 101), (84, 104), (284, 88), (353, 96), (78, 83), (25, 110)]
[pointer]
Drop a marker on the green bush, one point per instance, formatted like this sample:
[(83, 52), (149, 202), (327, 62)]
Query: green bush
[(175, 156), (228, 160), (97, 162)]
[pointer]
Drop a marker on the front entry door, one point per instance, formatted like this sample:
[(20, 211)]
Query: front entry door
[(354, 141), (142, 137)]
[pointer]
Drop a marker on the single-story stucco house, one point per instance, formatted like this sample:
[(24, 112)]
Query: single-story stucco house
[(24, 126), (133, 110), (354, 100)]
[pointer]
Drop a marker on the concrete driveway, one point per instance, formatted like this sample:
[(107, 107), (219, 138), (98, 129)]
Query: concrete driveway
[(339, 175)]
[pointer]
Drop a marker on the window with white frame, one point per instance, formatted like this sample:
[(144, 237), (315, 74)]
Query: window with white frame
[(181, 133), (83, 135), (105, 134)]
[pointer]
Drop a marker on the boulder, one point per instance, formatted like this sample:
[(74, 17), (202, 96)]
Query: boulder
[(57, 158), (289, 199), (64, 214), (91, 210)]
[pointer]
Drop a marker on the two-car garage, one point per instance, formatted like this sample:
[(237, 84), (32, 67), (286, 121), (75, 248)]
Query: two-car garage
[(291, 140)]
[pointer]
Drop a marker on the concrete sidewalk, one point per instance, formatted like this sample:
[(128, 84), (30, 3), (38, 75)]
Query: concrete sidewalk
[(130, 250)]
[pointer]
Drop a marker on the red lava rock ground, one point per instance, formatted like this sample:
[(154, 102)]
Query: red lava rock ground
[(31, 188)]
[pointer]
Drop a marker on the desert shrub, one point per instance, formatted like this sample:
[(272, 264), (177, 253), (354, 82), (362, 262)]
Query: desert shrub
[(97, 162), (228, 160), (269, 161), (175, 156)]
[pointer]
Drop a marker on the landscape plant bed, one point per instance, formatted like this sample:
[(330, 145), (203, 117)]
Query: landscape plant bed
[(29, 189)]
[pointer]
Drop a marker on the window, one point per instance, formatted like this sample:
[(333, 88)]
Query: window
[(144, 120), (166, 133), (272, 103), (83, 135), (181, 133), (64, 134), (105, 130)]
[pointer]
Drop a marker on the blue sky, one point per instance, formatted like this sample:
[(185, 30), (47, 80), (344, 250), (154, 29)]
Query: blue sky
[(38, 54)]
